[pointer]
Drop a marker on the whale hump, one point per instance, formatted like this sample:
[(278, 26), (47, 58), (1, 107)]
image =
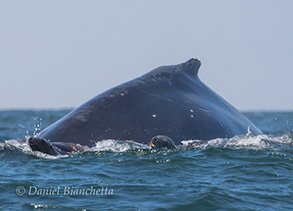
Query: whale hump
[(169, 100)]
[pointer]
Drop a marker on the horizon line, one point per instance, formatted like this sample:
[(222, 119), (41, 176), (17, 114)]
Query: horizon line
[(72, 108)]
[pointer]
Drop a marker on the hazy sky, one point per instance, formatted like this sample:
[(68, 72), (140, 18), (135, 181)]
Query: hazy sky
[(56, 54)]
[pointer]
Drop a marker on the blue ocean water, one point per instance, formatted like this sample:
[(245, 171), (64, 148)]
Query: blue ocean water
[(242, 173)]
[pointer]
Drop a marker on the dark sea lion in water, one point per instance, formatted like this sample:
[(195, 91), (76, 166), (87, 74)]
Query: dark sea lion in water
[(44, 146), (161, 141), (169, 100), (41, 145)]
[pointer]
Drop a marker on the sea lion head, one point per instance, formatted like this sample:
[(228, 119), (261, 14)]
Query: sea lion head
[(162, 141), (41, 145)]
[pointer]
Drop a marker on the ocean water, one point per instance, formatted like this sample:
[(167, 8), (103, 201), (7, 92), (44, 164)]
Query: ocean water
[(242, 173)]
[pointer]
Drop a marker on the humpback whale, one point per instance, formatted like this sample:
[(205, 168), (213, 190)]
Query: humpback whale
[(169, 100)]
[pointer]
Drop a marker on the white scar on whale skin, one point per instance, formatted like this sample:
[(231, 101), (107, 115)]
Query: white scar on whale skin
[(192, 113)]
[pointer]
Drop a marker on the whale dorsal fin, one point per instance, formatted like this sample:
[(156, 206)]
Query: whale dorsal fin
[(191, 66)]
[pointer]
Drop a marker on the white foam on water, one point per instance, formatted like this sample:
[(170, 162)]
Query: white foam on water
[(249, 141), (117, 146), (14, 145)]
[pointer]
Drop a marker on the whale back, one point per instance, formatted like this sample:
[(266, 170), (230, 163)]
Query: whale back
[(169, 100)]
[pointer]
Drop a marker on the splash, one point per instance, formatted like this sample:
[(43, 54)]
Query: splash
[(17, 147), (249, 141), (33, 127), (118, 146)]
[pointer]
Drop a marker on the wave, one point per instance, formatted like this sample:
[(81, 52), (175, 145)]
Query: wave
[(23, 148), (259, 142)]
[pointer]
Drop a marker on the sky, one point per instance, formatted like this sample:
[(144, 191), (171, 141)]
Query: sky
[(59, 54)]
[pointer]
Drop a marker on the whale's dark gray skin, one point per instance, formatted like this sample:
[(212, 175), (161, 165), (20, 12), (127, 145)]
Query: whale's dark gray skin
[(170, 100), (162, 141)]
